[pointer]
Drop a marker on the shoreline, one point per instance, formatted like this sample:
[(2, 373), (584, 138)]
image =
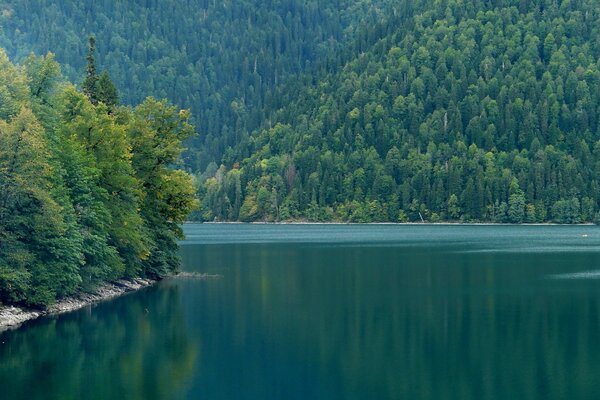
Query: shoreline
[(12, 317), (386, 223)]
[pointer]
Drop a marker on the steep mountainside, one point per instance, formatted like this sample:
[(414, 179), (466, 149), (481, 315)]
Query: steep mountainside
[(472, 110), (223, 59)]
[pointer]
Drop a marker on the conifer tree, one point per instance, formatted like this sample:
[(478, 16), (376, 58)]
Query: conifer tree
[(90, 83), (106, 91)]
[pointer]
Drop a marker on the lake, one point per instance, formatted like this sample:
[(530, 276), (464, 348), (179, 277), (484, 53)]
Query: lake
[(336, 312)]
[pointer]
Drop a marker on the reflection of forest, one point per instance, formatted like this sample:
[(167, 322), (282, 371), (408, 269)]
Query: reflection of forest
[(387, 323), (327, 322), (135, 347)]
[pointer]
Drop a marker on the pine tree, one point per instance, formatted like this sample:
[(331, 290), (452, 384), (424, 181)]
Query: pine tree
[(106, 91), (90, 83)]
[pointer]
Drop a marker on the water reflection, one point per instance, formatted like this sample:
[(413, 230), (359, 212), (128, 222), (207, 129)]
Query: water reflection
[(346, 319), (135, 347), (389, 323)]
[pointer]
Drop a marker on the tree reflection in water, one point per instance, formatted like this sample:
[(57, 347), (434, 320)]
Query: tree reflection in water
[(134, 347), (458, 316)]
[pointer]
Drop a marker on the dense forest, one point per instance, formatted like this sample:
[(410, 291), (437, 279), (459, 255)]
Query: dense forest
[(87, 194), (360, 111), (467, 110), (225, 60)]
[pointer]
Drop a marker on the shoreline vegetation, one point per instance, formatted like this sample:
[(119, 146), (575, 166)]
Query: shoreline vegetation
[(12, 317), (89, 189), (448, 223)]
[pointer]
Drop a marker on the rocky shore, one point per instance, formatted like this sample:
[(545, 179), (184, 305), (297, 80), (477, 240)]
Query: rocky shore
[(12, 316)]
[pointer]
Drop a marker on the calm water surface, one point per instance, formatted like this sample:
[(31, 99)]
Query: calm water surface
[(336, 312)]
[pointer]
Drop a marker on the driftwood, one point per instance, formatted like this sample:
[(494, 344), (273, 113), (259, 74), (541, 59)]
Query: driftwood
[(197, 275)]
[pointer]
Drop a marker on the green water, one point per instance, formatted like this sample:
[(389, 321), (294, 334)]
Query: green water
[(336, 312)]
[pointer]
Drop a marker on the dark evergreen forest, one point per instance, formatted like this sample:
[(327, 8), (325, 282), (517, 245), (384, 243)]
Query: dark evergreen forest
[(224, 60), (466, 111)]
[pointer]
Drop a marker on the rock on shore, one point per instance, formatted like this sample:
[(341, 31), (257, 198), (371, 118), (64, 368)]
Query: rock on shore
[(12, 316)]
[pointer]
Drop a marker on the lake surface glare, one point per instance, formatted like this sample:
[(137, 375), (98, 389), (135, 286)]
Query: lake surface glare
[(336, 312)]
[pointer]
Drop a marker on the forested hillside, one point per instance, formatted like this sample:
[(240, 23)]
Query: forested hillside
[(366, 110), (86, 192), (226, 60), (471, 110)]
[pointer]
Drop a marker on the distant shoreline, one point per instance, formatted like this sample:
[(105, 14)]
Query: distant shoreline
[(386, 223), (12, 317)]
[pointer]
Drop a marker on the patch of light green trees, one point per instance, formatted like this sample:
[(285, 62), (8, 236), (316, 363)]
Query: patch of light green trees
[(87, 192)]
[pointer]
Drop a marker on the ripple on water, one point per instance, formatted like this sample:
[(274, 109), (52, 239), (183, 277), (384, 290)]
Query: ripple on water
[(595, 274)]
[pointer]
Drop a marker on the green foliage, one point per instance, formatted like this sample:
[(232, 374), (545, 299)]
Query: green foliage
[(567, 211), (106, 91), (86, 195), (453, 208), (155, 133), (516, 208), (90, 83), (98, 89), (14, 284), (229, 61), (462, 111)]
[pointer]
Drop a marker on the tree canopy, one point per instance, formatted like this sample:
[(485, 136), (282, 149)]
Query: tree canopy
[(367, 110), (465, 110), (86, 195), (225, 60)]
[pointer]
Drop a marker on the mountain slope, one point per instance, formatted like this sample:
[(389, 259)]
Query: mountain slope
[(224, 59), (472, 110)]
